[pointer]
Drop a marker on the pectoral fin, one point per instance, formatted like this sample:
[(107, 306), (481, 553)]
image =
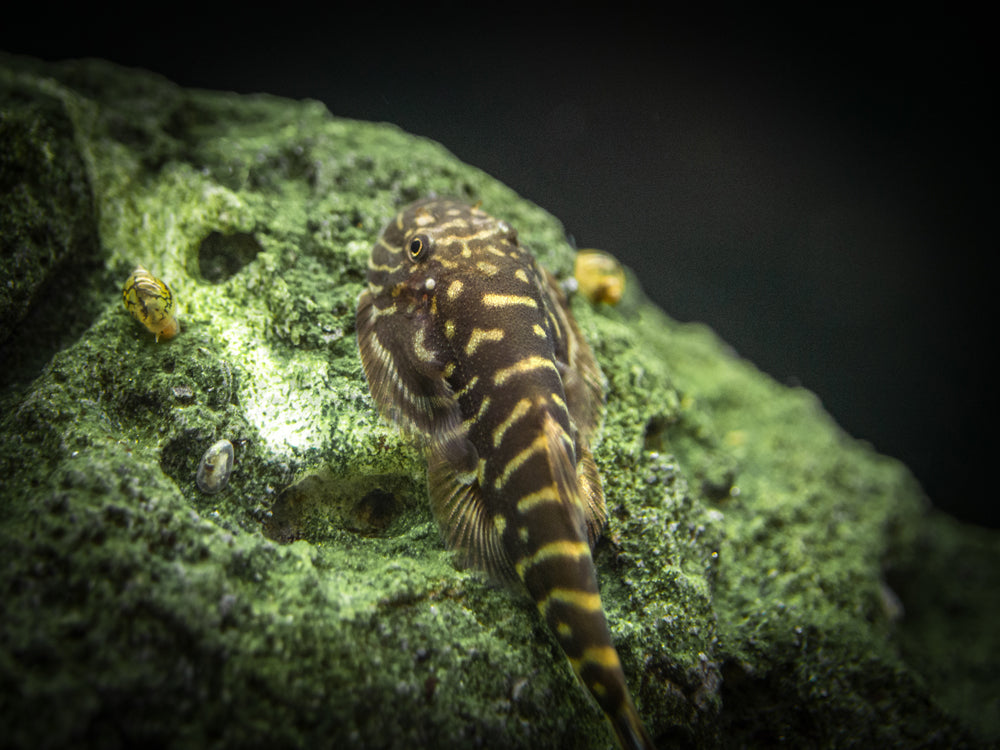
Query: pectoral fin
[(405, 373), (467, 525)]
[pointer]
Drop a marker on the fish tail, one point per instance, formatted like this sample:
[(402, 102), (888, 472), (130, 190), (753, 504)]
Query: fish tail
[(575, 614), (629, 730)]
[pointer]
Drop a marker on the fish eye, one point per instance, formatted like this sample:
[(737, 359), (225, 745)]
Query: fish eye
[(419, 247)]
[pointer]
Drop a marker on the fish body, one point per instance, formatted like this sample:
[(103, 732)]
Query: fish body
[(469, 345)]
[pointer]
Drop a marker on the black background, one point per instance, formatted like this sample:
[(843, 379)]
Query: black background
[(813, 187)]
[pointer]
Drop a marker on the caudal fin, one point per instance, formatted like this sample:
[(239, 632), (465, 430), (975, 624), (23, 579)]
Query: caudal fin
[(629, 730), (575, 614)]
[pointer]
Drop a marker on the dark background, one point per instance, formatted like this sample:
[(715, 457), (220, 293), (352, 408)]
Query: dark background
[(814, 188)]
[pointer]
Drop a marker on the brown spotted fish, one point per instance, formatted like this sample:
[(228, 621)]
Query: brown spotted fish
[(470, 346)]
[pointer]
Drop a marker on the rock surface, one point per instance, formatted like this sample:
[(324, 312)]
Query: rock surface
[(767, 578)]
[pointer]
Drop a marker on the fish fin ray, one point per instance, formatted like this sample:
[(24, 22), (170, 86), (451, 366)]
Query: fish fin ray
[(594, 509), (563, 472), (467, 525), (409, 391), (629, 729), (583, 381)]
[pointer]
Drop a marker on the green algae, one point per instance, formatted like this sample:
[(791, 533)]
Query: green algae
[(746, 569)]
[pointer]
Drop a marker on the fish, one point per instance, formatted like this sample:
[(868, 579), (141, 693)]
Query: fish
[(469, 346)]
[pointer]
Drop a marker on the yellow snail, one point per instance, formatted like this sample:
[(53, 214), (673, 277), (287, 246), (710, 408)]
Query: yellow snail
[(599, 276), (151, 302)]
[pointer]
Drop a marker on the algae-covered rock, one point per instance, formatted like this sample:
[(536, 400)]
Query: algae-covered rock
[(749, 565)]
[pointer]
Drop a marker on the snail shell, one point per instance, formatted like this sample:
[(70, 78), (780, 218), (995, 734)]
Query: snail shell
[(600, 277), (215, 467), (150, 301)]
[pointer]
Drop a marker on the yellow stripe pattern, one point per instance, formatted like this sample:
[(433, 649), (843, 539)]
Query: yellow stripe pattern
[(480, 336), (602, 656), (520, 409), (528, 364), (539, 445), (584, 600), (562, 548), (507, 300), (547, 494)]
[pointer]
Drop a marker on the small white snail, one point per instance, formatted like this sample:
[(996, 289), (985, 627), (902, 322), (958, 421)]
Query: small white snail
[(215, 468)]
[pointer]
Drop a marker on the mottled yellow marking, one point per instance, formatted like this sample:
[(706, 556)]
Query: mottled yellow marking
[(454, 289), (482, 410), (449, 369), (420, 349), (524, 534), (598, 689), (468, 386), (602, 656), (539, 445), (562, 548), (564, 630), (499, 523), (539, 331), (580, 599), (487, 268), (456, 223), (484, 233), (520, 409), (480, 336), (558, 400), (378, 312), (373, 266), (547, 494), (507, 300), (554, 321), (528, 364), (389, 248), (449, 328), (522, 275)]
